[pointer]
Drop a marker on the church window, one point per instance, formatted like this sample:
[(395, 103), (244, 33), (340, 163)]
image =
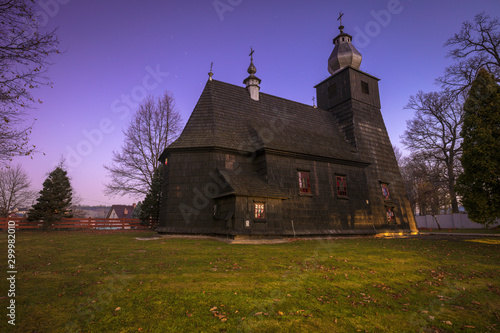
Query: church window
[(230, 161), (365, 89), (341, 186), (304, 182), (260, 211), (390, 214), (385, 191)]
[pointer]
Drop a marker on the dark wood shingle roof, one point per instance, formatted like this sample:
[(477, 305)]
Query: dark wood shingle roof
[(226, 117), (245, 183)]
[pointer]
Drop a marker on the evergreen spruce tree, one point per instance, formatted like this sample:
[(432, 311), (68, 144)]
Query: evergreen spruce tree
[(136, 213), (150, 209), (479, 184), (55, 199)]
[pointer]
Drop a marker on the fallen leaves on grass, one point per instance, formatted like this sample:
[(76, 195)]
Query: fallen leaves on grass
[(218, 314)]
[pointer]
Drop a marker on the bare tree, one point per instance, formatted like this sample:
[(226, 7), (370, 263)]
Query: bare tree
[(398, 153), (425, 188), (14, 189), (25, 52), (155, 125), (476, 46), (434, 134), (407, 173)]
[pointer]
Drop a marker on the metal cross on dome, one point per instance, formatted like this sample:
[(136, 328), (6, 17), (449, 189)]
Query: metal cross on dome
[(340, 17), (341, 27)]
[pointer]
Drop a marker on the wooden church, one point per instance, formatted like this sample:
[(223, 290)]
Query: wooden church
[(249, 163)]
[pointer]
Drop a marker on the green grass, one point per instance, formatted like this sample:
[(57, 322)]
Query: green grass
[(87, 282), (463, 231)]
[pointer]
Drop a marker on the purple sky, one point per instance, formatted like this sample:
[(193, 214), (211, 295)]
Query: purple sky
[(115, 52)]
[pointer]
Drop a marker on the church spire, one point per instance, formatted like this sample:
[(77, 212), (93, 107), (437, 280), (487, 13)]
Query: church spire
[(251, 69), (252, 82), (210, 74), (344, 53)]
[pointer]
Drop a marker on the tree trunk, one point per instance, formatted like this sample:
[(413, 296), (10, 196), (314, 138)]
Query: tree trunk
[(451, 188), (437, 222)]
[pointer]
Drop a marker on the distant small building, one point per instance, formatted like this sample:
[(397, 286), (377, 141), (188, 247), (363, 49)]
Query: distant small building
[(19, 212), (91, 211), (120, 211)]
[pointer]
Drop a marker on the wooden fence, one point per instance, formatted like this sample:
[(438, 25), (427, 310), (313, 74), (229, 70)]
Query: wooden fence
[(78, 224)]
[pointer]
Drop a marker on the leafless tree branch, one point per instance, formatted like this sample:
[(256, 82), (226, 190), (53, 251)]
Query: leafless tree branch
[(434, 133), (476, 46), (14, 189), (156, 124), (25, 55)]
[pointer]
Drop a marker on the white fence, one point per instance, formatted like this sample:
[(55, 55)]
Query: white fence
[(449, 221)]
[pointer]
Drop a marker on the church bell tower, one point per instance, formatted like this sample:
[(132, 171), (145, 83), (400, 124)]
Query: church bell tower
[(348, 86), (352, 96)]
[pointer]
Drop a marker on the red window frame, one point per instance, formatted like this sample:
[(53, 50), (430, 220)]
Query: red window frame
[(304, 182), (390, 214), (260, 210), (341, 186), (385, 191)]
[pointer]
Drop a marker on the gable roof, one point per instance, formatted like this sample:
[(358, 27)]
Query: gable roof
[(226, 117), (120, 211)]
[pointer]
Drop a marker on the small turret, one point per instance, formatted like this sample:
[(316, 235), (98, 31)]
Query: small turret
[(252, 82), (210, 74)]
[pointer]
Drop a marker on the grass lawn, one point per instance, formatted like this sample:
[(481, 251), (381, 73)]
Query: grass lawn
[(464, 231), (88, 282)]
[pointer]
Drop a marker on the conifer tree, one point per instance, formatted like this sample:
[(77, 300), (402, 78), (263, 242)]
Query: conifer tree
[(55, 198), (136, 213), (150, 209), (479, 184)]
